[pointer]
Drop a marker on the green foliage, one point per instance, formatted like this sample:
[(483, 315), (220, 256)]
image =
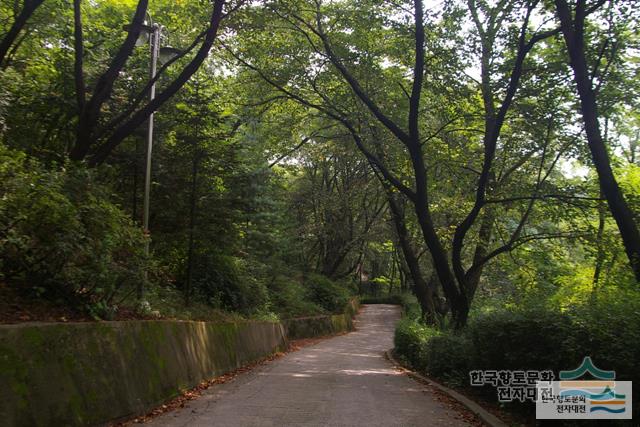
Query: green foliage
[(330, 295), (504, 339), (446, 357), (225, 283), (62, 238), (168, 301), (530, 338), (289, 298), (409, 341), (427, 349), (410, 306), (251, 188), (608, 328)]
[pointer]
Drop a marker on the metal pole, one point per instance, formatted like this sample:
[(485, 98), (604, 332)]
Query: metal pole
[(155, 46)]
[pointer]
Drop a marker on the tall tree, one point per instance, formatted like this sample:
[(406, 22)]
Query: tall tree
[(572, 22)]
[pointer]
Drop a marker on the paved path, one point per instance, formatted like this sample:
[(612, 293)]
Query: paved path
[(342, 381)]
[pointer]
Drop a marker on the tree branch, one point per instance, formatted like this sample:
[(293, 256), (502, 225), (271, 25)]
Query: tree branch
[(88, 120), (28, 8), (143, 114)]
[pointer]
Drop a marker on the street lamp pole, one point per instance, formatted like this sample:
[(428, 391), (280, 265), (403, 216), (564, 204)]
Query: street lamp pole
[(153, 35), (155, 49)]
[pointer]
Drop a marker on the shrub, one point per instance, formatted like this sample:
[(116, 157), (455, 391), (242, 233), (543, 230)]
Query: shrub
[(410, 306), (225, 282), (608, 329), (443, 355), (409, 341), (326, 293), (520, 339), (289, 298), (534, 338), (447, 357), (62, 238)]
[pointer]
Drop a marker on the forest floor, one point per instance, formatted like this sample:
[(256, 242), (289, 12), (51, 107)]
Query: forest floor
[(16, 307), (342, 381)]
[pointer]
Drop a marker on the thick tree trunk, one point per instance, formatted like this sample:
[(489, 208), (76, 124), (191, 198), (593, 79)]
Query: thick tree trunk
[(457, 299), (573, 32), (423, 293), (481, 250)]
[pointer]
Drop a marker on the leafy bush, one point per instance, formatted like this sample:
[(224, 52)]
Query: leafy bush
[(520, 339), (62, 238), (410, 306), (446, 357), (168, 300), (429, 350), (535, 338), (608, 328), (289, 298), (326, 293), (409, 341), (225, 282)]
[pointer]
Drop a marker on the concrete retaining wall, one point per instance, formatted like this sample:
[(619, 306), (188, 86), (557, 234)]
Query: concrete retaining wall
[(308, 327), (317, 326), (89, 373), (78, 374)]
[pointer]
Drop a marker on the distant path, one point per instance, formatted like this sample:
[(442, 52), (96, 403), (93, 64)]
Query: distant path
[(342, 381)]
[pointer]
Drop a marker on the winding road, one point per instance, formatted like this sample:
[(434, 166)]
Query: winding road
[(341, 381)]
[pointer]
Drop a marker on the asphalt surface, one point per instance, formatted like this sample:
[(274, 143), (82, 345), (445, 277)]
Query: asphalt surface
[(342, 381)]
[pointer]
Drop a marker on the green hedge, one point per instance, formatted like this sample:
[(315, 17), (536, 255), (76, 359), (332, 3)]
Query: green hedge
[(535, 338)]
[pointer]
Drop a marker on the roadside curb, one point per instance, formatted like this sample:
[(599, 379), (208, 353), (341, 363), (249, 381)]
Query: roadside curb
[(486, 417)]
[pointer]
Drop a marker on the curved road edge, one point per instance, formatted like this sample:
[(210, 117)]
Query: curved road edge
[(486, 416)]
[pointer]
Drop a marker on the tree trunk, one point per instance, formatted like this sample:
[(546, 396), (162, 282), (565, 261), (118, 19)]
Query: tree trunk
[(484, 239), (457, 299), (601, 254), (192, 221), (420, 288), (573, 32)]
